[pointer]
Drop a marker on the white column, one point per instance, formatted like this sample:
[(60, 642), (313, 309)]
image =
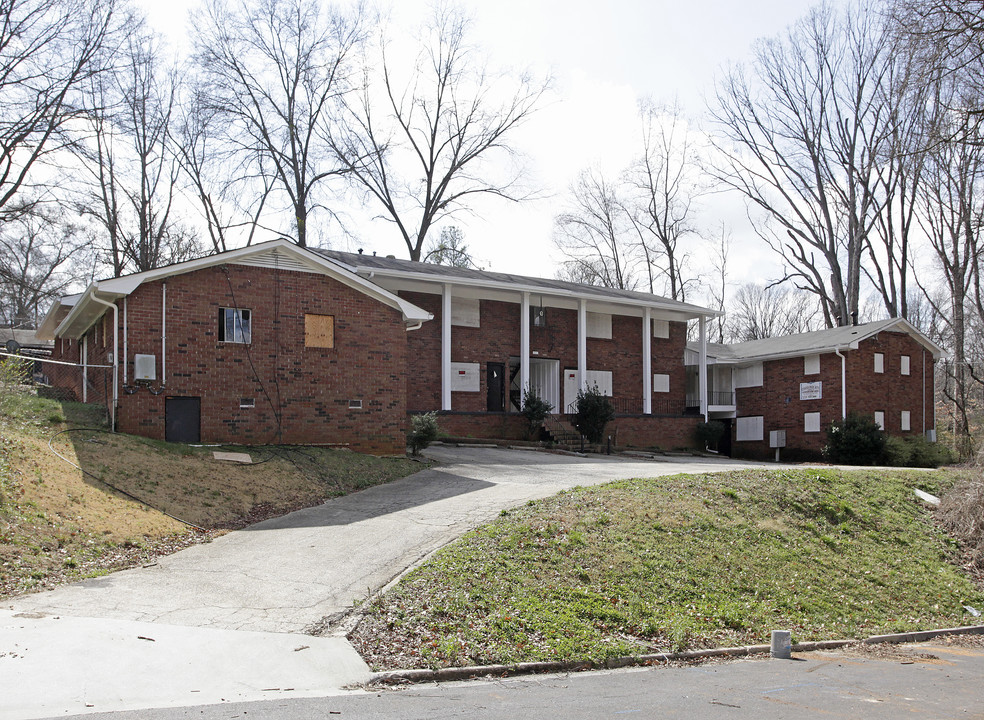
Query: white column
[(524, 346), (446, 347), (85, 368), (702, 377), (582, 344), (647, 362)]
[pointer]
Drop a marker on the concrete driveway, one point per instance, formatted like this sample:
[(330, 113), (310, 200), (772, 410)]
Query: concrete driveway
[(223, 622), (289, 573)]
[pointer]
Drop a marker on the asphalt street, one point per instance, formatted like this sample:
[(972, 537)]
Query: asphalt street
[(929, 680)]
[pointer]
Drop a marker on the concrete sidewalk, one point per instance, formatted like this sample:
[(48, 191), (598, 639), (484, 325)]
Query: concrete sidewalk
[(225, 616), (57, 665)]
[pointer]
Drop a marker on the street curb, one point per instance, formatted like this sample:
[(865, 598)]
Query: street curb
[(529, 668)]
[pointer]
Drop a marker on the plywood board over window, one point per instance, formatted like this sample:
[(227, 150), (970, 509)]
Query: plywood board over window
[(319, 331)]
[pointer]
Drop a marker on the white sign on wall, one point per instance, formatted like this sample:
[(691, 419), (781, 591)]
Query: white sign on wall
[(464, 377), (811, 390)]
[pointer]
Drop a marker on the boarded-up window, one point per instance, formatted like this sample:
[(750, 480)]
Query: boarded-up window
[(904, 365), (749, 428), (319, 331), (661, 328), (906, 420), (599, 325), (811, 365), (880, 419), (465, 312), (811, 422), (879, 362), (750, 376), (661, 383)]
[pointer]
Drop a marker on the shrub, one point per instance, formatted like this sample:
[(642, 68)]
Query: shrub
[(423, 431), (928, 454), (961, 512), (855, 440), (593, 412), (898, 452), (535, 410), (709, 434)]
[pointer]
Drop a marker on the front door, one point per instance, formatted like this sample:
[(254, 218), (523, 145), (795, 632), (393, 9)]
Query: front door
[(495, 382)]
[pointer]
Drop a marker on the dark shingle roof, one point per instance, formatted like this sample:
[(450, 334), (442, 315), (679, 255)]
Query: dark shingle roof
[(443, 272)]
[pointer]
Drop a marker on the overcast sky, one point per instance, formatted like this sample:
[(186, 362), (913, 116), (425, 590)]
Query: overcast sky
[(603, 57)]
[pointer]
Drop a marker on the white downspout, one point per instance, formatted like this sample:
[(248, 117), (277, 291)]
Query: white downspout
[(446, 347), (702, 377), (85, 368), (163, 334), (116, 357), (924, 393), (647, 362), (582, 345), (843, 358), (524, 346), (125, 337)]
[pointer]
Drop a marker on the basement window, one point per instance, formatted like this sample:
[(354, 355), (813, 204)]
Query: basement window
[(235, 325), (247, 402), (355, 404)]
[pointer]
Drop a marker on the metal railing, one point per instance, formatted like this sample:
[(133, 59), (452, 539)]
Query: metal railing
[(714, 397)]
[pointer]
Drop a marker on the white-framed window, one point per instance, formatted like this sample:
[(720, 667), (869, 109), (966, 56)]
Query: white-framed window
[(661, 383), (235, 325), (811, 422), (599, 325), (904, 365), (749, 428), (661, 328), (880, 419), (811, 365), (879, 362), (906, 421), (750, 376)]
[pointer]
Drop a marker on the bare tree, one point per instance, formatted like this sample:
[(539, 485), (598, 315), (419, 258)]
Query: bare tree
[(806, 141), (133, 169), (664, 182), (37, 250), (592, 235), (48, 48), (211, 169), (450, 249), (420, 147), (276, 72), (756, 312), (718, 290)]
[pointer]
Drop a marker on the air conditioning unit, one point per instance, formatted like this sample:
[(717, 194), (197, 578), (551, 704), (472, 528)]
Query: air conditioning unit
[(144, 367)]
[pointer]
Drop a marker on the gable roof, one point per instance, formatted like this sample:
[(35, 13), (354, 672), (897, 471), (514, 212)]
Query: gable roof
[(818, 341), (85, 309), (390, 267)]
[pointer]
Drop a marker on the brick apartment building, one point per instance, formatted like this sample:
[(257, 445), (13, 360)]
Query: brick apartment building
[(280, 344), (789, 389)]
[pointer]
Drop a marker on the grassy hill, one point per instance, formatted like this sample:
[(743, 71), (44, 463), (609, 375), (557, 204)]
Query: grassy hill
[(682, 562), (60, 523)]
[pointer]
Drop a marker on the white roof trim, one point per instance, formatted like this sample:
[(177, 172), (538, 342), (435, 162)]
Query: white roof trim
[(678, 308)]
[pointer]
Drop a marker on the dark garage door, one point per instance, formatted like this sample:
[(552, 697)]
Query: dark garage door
[(182, 419)]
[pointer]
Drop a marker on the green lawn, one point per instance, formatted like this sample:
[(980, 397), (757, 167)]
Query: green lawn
[(677, 563)]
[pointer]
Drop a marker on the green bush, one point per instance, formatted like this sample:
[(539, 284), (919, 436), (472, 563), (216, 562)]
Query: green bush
[(423, 431), (898, 452), (918, 452), (855, 440), (593, 412), (709, 434), (535, 410)]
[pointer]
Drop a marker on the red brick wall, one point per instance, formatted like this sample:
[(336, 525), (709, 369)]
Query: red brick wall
[(891, 392), (664, 433), (310, 388), (497, 339)]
